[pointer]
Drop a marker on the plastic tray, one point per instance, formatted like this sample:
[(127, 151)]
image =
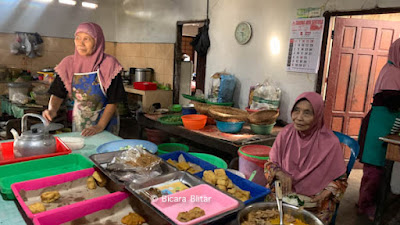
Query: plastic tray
[(39, 168), (146, 86), (8, 152), (72, 188), (165, 120), (215, 204), (101, 161), (257, 192), (189, 158)]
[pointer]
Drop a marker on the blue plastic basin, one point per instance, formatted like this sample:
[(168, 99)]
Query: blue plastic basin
[(229, 127)]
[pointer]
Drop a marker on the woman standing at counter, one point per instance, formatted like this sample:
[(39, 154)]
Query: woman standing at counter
[(307, 157), (90, 77)]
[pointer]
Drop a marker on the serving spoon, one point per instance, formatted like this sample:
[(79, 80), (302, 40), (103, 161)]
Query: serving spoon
[(278, 194)]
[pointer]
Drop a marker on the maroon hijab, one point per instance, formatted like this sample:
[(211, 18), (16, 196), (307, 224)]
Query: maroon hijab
[(313, 158), (389, 77), (108, 66)]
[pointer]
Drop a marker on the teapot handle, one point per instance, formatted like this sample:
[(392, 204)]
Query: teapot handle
[(24, 122)]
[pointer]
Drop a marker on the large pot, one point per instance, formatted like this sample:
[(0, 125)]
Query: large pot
[(143, 74), (302, 214)]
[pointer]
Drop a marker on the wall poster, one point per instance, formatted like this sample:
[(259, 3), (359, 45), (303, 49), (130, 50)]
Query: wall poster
[(305, 45)]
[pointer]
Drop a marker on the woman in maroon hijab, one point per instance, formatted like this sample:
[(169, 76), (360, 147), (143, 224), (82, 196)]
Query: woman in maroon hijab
[(307, 157), (90, 77)]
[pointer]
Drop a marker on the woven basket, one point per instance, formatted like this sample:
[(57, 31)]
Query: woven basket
[(264, 117), (393, 152), (227, 114), (201, 108)]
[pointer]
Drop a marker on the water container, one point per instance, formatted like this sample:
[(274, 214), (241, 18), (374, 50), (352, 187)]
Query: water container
[(252, 158)]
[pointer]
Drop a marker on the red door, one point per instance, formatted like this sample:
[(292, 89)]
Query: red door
[(360, 49)]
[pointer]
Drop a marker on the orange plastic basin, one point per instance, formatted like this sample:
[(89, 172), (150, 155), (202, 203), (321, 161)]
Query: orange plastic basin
[(194, 121)]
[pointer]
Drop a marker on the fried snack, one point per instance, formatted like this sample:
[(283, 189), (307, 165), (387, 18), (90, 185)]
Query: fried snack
[(182, 166), (90, 183), (49, 196), (37, 207), (192, 214), (223, 183), (133, 219), (185, 166), (100, 179), (209, 177), (144, 160)]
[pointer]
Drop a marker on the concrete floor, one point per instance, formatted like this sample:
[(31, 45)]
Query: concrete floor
[(347, 214)]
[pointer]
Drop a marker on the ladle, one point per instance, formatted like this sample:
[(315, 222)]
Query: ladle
[(278, 194)]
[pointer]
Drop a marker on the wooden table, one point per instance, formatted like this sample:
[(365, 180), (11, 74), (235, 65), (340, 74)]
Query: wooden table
[(211, 143), (393, 142)]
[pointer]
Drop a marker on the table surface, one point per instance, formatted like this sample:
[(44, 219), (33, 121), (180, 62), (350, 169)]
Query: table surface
[(9, 213)]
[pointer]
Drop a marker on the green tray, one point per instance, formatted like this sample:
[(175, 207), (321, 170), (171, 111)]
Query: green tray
[(174, 118), (39, 168), (194, 98), (221, 104)]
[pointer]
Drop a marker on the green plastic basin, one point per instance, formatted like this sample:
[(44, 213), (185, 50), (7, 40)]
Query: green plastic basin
[(216, 161), (171, 147)]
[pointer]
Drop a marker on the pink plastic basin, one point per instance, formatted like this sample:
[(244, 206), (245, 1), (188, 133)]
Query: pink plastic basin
[(172, 205)]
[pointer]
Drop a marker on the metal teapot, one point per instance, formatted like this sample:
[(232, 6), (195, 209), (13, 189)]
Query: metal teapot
[(35, 141)]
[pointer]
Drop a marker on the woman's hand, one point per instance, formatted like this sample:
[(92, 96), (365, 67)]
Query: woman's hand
[(325, 194), (92, 130), (49, 114), (286, 182)]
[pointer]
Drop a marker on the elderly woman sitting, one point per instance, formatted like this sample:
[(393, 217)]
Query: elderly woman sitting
[(307, 158)]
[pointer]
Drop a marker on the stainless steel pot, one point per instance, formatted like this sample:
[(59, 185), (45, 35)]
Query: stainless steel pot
[(302, 214), (143, 74)]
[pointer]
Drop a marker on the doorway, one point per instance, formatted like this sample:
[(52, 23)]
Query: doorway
[(190, 68), (357, 45)]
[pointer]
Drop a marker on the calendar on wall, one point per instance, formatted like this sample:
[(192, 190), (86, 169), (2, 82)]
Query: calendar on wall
[(305, 45)]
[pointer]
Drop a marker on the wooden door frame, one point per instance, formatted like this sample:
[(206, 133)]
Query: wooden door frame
[(178, 54), (328, 15)]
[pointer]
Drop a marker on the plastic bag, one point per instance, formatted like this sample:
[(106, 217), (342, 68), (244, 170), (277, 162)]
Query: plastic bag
[(266, 96), (222, 88)]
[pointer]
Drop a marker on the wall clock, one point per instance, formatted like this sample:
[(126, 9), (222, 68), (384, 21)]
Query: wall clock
[(243, 33)]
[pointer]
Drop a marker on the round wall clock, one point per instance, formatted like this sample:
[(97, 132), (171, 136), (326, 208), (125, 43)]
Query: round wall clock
[(243, 33)]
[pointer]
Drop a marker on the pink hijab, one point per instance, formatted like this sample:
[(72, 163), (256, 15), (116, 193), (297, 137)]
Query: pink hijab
[(313, 158), (389, 77), (108, 66)]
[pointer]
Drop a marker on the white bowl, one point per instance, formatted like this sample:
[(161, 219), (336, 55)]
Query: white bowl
[(74, 143)]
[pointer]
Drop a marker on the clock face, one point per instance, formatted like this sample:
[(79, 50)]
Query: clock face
[(243, 33)]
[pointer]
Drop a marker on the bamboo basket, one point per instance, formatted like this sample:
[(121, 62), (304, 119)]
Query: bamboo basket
[(228, 114), (393, 152), (264, 117), (201, 108)]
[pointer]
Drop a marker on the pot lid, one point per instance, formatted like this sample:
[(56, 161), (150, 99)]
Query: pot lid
[(48, 70), (143, 70), (51, 127), (19, 84), (34, 134)]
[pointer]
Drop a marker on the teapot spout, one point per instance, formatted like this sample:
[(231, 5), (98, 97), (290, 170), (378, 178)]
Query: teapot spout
[(14, 133)]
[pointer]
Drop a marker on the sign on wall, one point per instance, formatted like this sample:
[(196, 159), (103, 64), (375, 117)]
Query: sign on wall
[(305, 45)]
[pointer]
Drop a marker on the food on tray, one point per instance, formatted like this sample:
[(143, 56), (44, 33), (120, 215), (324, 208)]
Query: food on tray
[(143, 160), (219, 179), (50, 196), (133, 219), (90, 183), (183, 165), (151, 194), (269, 217), (192, 214), (37, 207), (100, 179)]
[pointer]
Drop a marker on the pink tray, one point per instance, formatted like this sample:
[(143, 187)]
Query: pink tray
[(48, 182), (218, 203), (79, 210)]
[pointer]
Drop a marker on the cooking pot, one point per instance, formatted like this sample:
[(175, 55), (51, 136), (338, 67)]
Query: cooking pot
[(143, 74), (296, 212), (33, 142)]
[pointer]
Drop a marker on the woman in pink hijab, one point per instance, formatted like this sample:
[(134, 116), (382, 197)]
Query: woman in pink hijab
[(308, 159), (90, 77), (378, 123)]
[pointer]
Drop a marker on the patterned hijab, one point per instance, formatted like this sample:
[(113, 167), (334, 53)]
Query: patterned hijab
[(108, 66), (389, 77), (312, 158)]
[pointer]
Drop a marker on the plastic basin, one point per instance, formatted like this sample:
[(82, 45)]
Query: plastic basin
[(194, 121), (216, 161), (229, 127), (262, 129), (171, 147)]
